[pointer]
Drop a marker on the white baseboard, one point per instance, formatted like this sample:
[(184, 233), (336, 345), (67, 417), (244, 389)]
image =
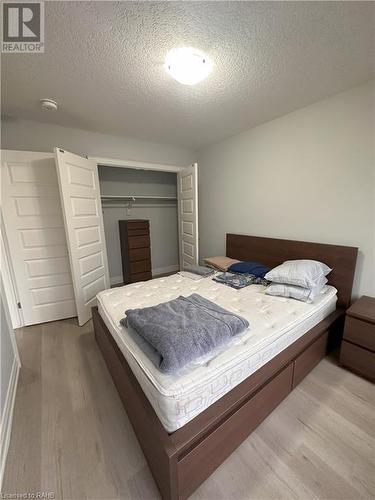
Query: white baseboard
[(116, 280), (7, 417)]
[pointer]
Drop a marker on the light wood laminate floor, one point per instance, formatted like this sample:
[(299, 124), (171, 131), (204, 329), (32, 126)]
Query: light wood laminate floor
[(72, 437)]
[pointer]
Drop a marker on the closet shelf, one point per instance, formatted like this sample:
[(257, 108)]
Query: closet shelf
[(137, 197)]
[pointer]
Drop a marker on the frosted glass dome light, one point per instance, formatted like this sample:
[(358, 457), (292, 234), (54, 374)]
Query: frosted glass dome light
[(188, 65)]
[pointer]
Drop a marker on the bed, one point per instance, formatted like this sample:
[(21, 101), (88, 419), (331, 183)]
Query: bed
[(188, 424)]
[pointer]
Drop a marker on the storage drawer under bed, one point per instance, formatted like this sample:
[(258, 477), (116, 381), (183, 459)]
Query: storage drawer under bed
[(197, 464), (204, 458), (306, 361)]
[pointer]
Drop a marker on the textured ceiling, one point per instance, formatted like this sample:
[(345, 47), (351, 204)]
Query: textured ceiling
[(104, 65)]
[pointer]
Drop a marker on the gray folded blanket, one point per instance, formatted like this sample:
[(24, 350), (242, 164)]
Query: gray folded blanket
[(200, 270), (184, 329)]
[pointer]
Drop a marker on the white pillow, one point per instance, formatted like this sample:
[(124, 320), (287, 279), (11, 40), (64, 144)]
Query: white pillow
[(295, 292), (305, 273)]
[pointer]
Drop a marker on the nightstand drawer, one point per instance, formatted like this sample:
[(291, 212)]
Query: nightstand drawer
[(358, 359), (360, 332)]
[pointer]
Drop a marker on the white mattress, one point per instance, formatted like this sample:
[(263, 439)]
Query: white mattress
[(275, 323)]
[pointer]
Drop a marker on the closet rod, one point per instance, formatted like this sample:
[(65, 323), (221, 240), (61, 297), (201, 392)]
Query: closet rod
[(137, 197)]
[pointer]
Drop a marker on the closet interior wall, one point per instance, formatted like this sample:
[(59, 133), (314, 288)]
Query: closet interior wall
[(162, 214)]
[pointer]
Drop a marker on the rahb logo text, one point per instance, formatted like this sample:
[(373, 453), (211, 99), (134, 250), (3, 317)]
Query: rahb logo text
[(23, 27)]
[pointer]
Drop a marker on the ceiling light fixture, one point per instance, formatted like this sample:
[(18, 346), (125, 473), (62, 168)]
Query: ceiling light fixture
[(188, 65), (48, 104)]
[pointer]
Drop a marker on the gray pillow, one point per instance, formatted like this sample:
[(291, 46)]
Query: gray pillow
[(305, 273), (295, 292)]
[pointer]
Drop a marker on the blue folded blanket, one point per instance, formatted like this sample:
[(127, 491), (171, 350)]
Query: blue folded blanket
[(184, 329)]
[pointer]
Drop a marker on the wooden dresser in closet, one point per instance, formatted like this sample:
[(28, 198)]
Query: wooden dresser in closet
[(135, 250)]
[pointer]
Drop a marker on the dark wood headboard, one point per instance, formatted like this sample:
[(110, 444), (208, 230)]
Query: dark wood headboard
[(272, 252)]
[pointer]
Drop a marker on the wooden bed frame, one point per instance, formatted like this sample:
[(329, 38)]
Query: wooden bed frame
[(182, 460)]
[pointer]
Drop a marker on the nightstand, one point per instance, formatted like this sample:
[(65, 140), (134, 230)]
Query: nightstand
[(358, 345)]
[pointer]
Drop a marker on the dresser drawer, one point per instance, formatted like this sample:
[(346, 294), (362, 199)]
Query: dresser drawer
[(137, 224), (360, 332), (140, 277), (135, 250), (138, 232), (139, 241), (139, 254), (142, 266), (358, 359)]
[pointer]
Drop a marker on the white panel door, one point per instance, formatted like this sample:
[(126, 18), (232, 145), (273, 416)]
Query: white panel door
[(80, 195), (187, 193), (35, 235)]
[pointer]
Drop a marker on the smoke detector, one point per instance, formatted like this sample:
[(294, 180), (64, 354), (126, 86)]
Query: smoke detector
[(48, 104)]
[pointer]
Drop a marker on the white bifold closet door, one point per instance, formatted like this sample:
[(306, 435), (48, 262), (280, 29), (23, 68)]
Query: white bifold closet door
[(83, 218), (34, 233), (187, 194)]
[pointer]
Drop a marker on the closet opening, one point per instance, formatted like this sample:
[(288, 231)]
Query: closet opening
[(146, 243)]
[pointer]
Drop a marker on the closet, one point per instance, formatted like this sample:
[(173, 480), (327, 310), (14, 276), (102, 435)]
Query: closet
[(61, 213), (139, 195)]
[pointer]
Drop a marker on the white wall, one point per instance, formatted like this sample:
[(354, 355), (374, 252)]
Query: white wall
[(9, 370), (129, 181), (308, 175), (161, 214), (35, 136), (6, 354)]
